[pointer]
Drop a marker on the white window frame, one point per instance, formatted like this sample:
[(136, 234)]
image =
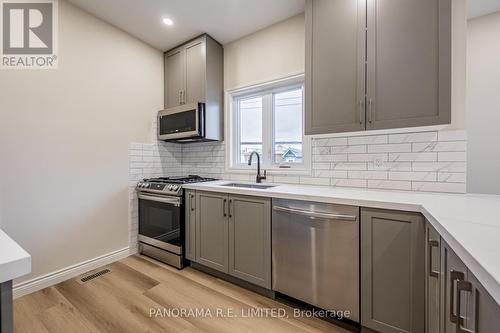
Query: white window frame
[(232, 129)]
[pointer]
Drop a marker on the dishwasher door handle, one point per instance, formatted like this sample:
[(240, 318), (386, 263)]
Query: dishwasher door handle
[(313, 214)]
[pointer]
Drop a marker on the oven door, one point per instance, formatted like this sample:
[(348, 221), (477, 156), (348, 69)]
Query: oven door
[(161, 222), (181, 122)]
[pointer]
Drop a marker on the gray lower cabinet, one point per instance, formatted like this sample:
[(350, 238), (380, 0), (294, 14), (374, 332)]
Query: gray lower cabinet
[(467, 306), (392, 271), (250, 239), (433, 278), (190, 227), (212, 233), (6, 307), (233, 235)]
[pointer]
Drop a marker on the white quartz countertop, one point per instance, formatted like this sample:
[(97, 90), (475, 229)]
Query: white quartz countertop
[(14, 260), (469, 223)]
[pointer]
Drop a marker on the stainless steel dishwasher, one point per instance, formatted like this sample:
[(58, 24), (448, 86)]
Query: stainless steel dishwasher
[(315, 253)]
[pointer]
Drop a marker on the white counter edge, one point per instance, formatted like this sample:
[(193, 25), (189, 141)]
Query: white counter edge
[(14, 260)]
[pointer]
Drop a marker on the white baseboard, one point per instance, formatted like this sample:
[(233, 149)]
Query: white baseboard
[(47, 280)]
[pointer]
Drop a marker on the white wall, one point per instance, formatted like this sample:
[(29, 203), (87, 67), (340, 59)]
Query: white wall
[(483, 108), (266, 55), (64, 140)]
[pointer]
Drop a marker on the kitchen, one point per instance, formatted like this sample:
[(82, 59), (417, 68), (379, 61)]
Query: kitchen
[(320, 166)]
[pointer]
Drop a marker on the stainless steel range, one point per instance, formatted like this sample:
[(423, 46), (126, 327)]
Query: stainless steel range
[(161, 217)]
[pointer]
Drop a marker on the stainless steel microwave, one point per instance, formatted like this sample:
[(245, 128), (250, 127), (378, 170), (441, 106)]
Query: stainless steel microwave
[(188, 123)]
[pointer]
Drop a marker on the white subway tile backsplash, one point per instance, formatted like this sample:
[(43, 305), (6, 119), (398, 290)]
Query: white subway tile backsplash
[(413, 137), (367, 174), (413, 176), (452, 135), (330, 142), (348, 166), (348, 182), (438, 187), (390, 166), (413, 157), (451, 177), (390, 148), (390, 185), (440, 166), (367, 157), (452, 156), (447, 146), (367, 140), (348, 149), (330, 173)]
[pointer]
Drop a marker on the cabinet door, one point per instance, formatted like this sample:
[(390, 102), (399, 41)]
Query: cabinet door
[(195, 72), (409, 63), (212, 230), (250, 239), (433, 280), (483, 312), (335, 66), (175, 72), (453, 270), (392, 271), (190, 227)]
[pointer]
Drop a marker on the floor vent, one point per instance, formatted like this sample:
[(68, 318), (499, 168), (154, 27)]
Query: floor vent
[(95, 275)]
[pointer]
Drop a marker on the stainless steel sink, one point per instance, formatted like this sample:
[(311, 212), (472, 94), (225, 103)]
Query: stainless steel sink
[(255, 186)]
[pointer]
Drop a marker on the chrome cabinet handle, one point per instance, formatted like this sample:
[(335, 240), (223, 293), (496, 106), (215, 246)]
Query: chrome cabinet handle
[(224, 208), (465, 286), (361, 112), (432, 244), (179, 97), (192, 202), (454, 276), (312, 214), (370, 107)]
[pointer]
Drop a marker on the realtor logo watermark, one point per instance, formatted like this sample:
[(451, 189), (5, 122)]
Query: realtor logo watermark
[(29, 34)]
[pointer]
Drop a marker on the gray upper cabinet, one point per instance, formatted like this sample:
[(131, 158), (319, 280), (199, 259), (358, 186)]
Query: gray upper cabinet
[(190, 219), (174, 77), (392, 271), (250, 239), (409, 63), (335, 66), (377, 64), (194, 73), (212, 230)]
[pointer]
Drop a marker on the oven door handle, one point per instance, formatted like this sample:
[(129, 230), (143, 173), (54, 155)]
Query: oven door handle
[(174, 201)]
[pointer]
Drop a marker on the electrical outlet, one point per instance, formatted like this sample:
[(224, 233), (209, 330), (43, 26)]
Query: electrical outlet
[(378, 162)]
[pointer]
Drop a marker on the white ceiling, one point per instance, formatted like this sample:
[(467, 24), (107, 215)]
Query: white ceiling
[(482, 7), (225, 20)]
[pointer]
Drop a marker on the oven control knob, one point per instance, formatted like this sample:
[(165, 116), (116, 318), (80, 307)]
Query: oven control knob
[(140, 185), (170, 187), (176, 187), (146, 185)]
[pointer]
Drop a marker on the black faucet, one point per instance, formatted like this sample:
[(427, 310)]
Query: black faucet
[(259, 177)]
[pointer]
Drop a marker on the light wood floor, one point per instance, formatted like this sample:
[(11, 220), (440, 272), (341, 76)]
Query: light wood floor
[(121, 301)]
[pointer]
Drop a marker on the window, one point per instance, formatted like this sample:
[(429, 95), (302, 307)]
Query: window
[(268, 119)]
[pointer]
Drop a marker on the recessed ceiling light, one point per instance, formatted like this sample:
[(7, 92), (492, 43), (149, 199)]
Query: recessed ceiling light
[(168, 21)]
